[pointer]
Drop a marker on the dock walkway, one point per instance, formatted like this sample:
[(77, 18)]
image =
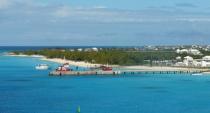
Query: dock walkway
[(59, 73)]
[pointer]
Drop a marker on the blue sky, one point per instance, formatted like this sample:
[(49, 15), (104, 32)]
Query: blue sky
[(104, 22), (134, 4)]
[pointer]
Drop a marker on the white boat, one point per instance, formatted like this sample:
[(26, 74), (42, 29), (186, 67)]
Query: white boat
[(42, 67), (66, 65), (197, 74)]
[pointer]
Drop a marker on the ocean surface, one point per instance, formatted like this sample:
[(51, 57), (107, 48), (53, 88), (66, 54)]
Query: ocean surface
[(26, 90)]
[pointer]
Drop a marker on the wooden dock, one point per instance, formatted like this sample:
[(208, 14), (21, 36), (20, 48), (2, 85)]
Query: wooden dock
[(124, 72)]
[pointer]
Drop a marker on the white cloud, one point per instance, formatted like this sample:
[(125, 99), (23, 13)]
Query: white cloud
[(33, 10), (29, 20), (63, 11), (5, 4), (56, 13), (100, 7), (193, 19), (67, 11), (108, 15)]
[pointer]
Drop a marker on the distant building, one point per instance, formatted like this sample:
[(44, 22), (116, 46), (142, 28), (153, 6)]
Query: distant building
[(180, 64), (197, 63), (62, 50), (179, 58), (87, 50), (194, 52), (206, 58), (95, 49), (205, 64), (188, 61), (188, 51), (181, 51), (80, 49), (195, 46), (205, 61), (72, 50), (91, 49)]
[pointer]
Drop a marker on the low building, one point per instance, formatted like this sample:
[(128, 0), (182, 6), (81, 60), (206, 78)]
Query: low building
[(197, 63), (188, 51), (181, 51), (194, 52), (179, 58), (180, 64), (205, 61), (95, 49), (80, 49), (87, 50), (72, 50), (188, 61), (205, 64), (206, 58)]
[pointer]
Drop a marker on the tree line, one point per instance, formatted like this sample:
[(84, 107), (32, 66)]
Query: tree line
[(117, 57)]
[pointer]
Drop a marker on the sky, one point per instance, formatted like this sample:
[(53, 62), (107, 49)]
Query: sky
[(104, 22)]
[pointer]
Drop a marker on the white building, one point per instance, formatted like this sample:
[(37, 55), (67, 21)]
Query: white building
[(178, 58), (188, 61), (80, 49), (95, 49), (87, 49), (205, 61), (206, 58), (188, 58), (194, 52), (189, 51), (180, 64), (195, 46), (72, 50), (197, 63), (181, 51)]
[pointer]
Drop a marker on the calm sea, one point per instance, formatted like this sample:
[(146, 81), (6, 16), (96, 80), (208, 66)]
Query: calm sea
[(26, 90)]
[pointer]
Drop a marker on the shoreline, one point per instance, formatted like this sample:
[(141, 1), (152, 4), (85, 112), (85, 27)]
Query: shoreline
[(57, 60), (74, 63), (164, 68), (133, 68), (60, 61), (22, 55)]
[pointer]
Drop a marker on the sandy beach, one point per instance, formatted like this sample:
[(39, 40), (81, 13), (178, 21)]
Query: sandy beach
[(75, 63)]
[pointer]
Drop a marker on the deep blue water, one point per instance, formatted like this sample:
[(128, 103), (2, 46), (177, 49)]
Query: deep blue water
[(26, 90)]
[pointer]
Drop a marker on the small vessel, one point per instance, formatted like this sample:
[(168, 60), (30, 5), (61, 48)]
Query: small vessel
[(66, 65), (42, 67), (197, 74)]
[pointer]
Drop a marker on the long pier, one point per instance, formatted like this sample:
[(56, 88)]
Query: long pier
[(124, 72)]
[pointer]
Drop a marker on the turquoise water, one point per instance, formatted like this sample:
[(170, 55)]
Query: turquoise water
[(26, 90)]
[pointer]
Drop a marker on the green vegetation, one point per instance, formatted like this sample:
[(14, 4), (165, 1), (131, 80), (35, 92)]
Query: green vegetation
[(118, 57)]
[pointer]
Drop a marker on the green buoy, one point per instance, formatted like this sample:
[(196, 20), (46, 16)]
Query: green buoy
[(78, 109)]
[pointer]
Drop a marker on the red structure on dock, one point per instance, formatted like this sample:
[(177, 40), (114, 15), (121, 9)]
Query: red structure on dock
[(105, 68)]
